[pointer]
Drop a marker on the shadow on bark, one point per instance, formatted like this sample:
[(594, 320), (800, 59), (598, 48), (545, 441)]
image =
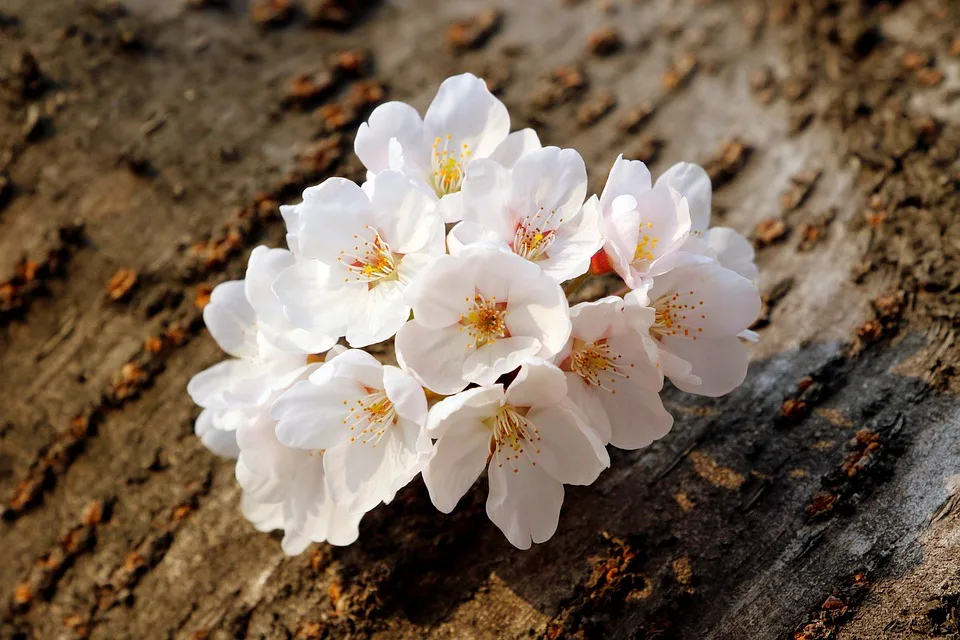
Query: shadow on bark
[(759, 512)]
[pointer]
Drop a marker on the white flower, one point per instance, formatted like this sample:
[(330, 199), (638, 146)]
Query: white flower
[(358, 250), (536, 209), (530, 438), (479, 315), (697, 311), (611, 373), (643, 226), (465, 121), (368, 418)]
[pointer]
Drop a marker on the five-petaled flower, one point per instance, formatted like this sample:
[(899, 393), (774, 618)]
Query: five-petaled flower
[(531, 439), (612, 375), (367, 418), (536, 209), (479, 315), (358, 251), (464, 122)]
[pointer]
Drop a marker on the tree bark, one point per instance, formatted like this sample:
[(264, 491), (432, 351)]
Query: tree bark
[(154, 141)]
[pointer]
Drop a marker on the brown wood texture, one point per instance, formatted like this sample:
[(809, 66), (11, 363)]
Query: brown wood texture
[(144, 147)]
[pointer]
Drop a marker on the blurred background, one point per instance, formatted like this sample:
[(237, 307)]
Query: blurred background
[(145, 146)]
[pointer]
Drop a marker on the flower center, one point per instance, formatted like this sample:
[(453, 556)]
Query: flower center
[(678, 314), (535, 235), (486, 321), (448, 165), (369, 417), (646, 246), (512, 436), (597, 365), (370, 260)]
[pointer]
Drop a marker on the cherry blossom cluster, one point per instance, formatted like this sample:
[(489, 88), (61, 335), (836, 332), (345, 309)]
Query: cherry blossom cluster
[(462, 246)]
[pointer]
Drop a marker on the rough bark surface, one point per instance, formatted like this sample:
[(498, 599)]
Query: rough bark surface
[(153, 140)]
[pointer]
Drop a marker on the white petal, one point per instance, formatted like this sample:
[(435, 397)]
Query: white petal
[(293, 544), (441, 293), (222, 443), (515, 146), (486, 198), (309, 511), (636, 418), (636, 307), (573, 453), (264, 455), (352, 364), (264, 516), (405, 216), (677, 369), (459, 459), (537, 307), (708, 301), (494, 359), (311, 416), (626, 177), (406, 394), (467, 233), (593, 320), (291, 218), (621, 229), (231, 384), (434, 356), (585, 396), (549, 179), (664, 226), (524, 504), (451, 207), (721, 364), (358, 473), (307, 294), (231, 320), (475, 404), (538, 383), (330, 226), (465, 110), (391, 120), (262, 270), (733, 251), (694, 184), (378, 315)]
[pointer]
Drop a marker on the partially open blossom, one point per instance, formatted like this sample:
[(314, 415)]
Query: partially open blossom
[(464, 122), (536, 209), (644, 226), (368, 419), (531, 439), (697, 312), (612, 374), (479, 315), (359, 249)]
